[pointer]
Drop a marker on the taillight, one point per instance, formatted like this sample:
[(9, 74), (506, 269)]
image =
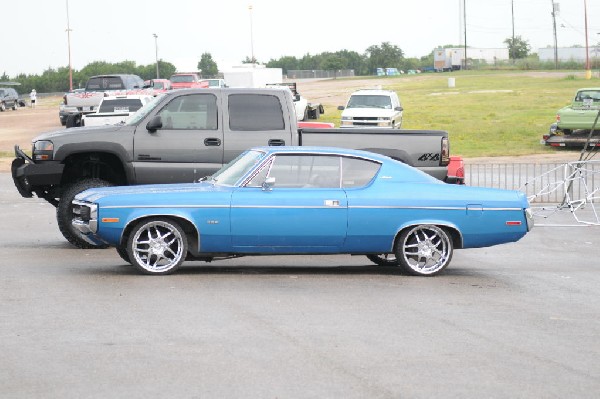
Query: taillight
[(445, 152)]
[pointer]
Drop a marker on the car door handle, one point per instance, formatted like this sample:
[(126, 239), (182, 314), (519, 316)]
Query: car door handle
[(212, 142), (332, 202), (276, 142)]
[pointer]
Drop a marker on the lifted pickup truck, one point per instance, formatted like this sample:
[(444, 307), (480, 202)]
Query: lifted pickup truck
[(184, 135)]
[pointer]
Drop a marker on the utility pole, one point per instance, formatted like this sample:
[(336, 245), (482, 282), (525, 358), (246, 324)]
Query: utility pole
[(555, 11), (588, 71), (512, 48), (156, 51), (69, 49), (251, 37), (465, 19)]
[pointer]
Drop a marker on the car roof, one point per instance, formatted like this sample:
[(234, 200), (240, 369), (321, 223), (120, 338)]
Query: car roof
[(323, 150), (372, 92)]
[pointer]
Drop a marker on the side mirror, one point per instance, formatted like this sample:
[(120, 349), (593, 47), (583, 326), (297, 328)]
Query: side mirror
[(399, 109), (268, 184), (341, 107), (154, 124)]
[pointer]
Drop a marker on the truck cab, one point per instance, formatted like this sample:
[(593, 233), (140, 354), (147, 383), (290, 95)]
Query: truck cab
[(372, 108)]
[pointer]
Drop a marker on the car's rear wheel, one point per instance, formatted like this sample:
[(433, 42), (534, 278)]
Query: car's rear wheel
[(73, 120), (2, 107), (15, 105), (424, 250), (384, 259), (157, 246)]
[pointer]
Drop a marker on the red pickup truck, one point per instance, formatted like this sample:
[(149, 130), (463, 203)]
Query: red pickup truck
[(187, 80)]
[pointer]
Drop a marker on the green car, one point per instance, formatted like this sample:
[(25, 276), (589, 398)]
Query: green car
[(582, 112)]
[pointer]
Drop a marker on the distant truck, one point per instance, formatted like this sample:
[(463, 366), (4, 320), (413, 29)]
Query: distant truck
[(373, 108), (116, 109), (184, 135), (574, 123), (187, 80), (78, 103)]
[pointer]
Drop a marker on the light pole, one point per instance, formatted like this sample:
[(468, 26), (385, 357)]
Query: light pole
[(588, 70), (251, 36), (156, 51), (69, 48)]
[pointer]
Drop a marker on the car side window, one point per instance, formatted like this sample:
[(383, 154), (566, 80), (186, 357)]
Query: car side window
[(302, 171), (358, 172), (255, 112), (191, 112)]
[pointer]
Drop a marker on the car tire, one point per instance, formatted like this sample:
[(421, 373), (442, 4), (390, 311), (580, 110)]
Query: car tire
[(73, 120), (384, 259), (15, 105), (64, 211), (2, 107), (424, 250), (157, 246)]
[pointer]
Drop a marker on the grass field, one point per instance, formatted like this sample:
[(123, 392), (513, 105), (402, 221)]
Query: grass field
[(486, 113)]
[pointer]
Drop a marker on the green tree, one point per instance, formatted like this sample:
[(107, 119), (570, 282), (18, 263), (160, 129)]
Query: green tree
[(517, 47), (384, 56), (208, 66), (333, 63)]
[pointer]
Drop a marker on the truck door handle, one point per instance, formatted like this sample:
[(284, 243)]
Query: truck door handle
[(212, 142), (276, 142)]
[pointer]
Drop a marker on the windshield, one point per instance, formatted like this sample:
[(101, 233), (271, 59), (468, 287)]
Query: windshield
[(231, 173), (103, 83), (369, 101), (145, 110)]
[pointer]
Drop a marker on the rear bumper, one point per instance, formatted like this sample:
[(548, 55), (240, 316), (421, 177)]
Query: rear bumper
[(29, 176)]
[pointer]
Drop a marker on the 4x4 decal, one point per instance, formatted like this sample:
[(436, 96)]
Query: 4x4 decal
[(429, 157)]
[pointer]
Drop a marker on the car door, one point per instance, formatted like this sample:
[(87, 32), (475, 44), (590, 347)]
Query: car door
[(304, 210), (187, 147), (256, 119)]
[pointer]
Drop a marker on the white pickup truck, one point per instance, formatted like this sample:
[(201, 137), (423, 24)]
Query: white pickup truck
[(115, 109), (372, 108), (79, 103)]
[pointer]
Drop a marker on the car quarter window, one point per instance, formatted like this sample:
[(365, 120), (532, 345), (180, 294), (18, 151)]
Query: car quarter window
[(191, 112), (358, 172), (255, 112)]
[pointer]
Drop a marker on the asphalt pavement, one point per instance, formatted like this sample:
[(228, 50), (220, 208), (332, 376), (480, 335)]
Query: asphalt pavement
[(518, 320)]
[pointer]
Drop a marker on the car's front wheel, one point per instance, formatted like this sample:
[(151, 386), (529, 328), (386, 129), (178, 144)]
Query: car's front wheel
[(2, 107), (157, 246), (424, 250), (15, 105)]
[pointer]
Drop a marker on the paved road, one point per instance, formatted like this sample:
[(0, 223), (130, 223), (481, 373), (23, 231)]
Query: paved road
[(520, 320)]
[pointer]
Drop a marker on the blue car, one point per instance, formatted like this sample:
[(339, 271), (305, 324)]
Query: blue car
[(302, 200)]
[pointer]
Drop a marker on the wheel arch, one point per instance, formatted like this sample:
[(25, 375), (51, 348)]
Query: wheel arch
[(191, 232), (451, 228), (106, 166)]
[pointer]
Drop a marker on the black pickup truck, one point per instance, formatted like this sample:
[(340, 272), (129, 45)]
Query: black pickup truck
[(184, 135)]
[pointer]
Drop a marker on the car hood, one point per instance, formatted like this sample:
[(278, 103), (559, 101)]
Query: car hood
[(151, 193), (77, 131), (352, 112)]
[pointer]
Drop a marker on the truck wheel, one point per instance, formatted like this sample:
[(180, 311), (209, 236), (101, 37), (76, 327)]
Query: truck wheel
[(15, 105), (64, 211), (73, 120), (2, 107)]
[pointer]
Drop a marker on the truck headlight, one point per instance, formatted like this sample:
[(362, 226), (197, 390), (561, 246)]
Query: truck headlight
[(384, 121), (43, 150)]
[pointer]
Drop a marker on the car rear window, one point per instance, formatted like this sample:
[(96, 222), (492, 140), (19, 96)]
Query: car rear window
[(105, 83), (121, 105)]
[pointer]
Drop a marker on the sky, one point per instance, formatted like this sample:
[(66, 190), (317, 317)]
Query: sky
[(119, 30)]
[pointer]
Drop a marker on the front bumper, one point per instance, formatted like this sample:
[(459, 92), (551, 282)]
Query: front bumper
[(29, 176)]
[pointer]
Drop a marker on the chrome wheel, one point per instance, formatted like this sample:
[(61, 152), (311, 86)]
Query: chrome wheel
[(384, 259), (424, 250), (157, 246)]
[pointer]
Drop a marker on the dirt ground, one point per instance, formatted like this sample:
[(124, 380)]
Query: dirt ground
[(19, 127)]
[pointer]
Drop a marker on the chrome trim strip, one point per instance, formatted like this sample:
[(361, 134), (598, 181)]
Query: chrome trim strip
[(441, 208)]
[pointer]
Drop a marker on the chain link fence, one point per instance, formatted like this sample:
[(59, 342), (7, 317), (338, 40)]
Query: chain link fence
[(543, 182), (319, 74)]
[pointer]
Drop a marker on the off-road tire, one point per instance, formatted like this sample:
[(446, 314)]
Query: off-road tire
[(64, 211)]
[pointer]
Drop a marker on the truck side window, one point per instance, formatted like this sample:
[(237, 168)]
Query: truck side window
[(192, 112), (255, 112), (358, 172)]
